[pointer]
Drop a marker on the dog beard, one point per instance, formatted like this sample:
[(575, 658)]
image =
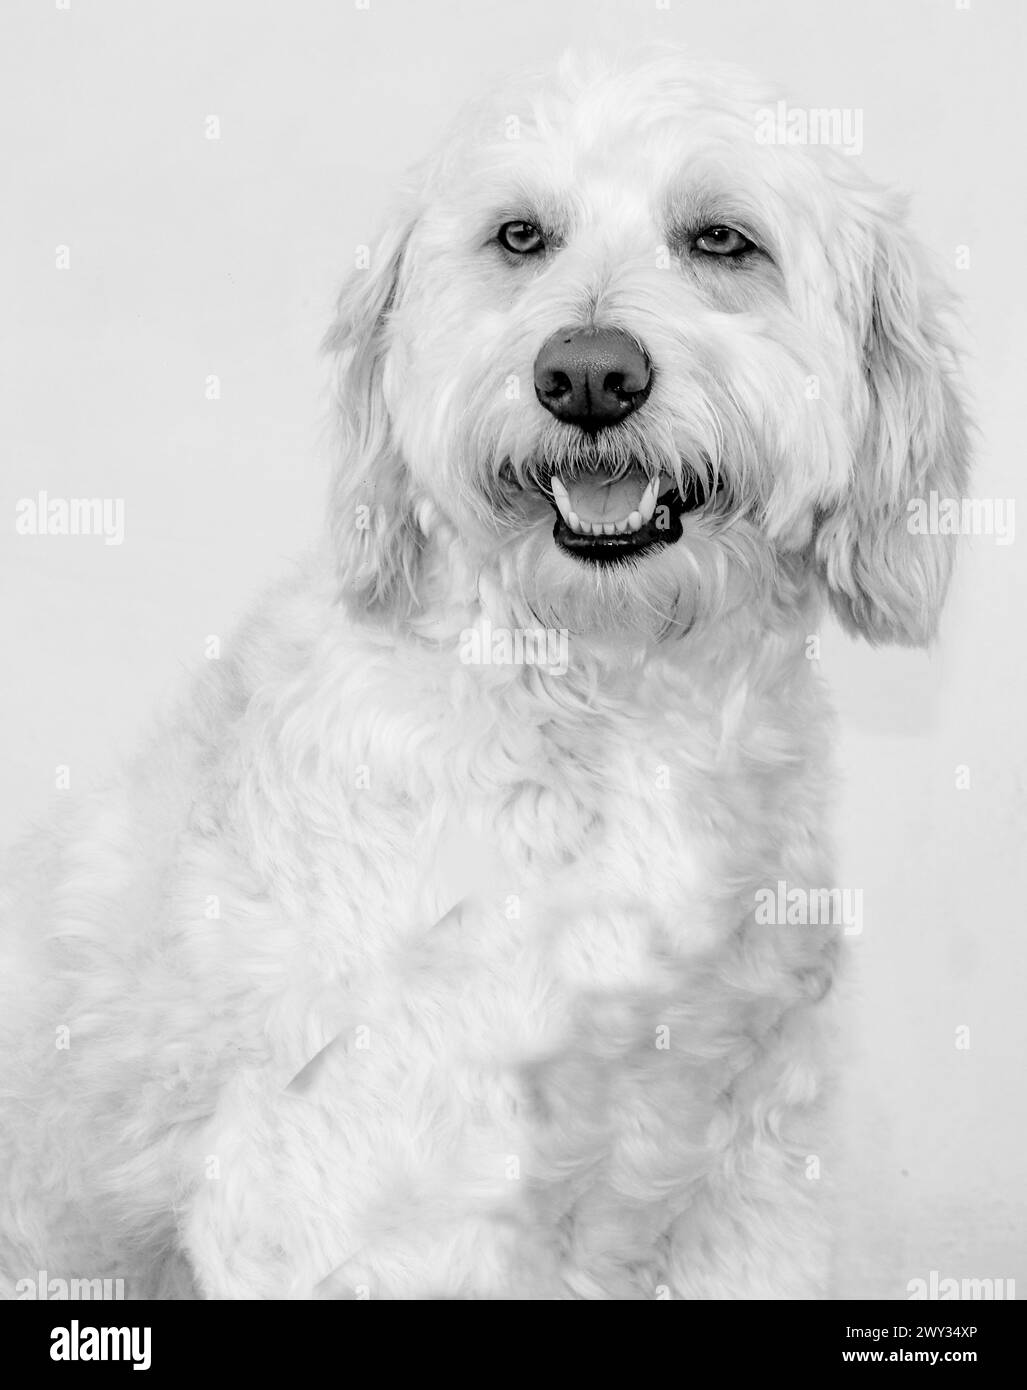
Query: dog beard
[(684, 558), (711, 572)]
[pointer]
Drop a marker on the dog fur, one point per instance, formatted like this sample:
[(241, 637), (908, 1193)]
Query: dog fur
[(385, 972)]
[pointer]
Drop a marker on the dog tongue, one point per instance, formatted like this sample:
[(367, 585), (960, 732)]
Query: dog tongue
[(597, 498)]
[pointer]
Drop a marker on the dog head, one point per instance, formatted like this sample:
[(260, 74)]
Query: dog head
[(644, 368)]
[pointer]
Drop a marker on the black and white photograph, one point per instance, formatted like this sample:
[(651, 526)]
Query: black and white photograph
[(514, 782)]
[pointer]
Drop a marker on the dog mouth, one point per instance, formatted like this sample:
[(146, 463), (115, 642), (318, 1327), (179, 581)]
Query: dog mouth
[(603, 517)]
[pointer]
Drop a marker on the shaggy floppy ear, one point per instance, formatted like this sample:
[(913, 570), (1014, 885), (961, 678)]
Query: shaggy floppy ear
[(887, 579), (373, 530)]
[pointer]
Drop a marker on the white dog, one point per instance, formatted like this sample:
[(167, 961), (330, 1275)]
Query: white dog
[(420, 955)]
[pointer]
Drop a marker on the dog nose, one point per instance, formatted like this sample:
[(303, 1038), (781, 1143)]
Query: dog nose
[(592, 377)]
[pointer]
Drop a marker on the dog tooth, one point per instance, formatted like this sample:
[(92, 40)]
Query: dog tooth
[(609, 528), (561, 498), (635, 521), (647, 503), (574, 522)]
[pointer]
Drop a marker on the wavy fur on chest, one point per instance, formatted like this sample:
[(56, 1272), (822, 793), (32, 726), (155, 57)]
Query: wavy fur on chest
[(479, 958)]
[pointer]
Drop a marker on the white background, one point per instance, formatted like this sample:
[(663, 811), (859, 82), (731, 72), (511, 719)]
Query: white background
[(192, 257)]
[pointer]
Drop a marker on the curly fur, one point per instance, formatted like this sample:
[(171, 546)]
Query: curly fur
[(388, 975)]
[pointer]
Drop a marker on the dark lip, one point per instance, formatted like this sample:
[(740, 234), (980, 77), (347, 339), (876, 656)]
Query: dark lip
[(663, 529)]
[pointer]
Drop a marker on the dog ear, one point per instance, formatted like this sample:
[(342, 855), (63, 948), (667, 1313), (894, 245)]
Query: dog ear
[(374, 533), (886, 578)]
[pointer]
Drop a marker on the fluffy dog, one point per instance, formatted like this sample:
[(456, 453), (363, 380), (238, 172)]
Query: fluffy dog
[(419, 955)]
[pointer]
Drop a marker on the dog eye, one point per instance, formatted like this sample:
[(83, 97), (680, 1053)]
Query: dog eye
[(522, 238), (722, 241)]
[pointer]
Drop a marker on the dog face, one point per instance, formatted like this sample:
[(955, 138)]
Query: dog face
[(645, 369)]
